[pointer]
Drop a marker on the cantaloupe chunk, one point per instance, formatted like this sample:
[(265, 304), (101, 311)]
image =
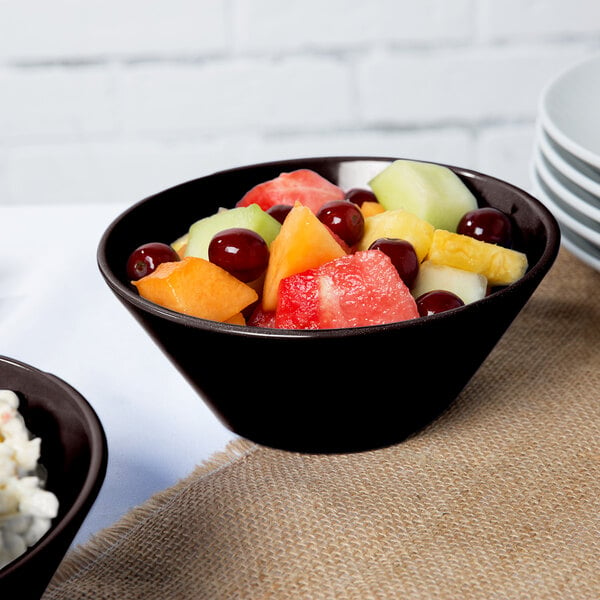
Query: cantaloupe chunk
[(302, 243), (369, 208), (237, 319), (399, 224), (196, 287), (501, 266)]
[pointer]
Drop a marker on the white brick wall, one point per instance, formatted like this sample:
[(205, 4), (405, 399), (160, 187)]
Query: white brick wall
[(108, 102), (79, 30), (343, 25)]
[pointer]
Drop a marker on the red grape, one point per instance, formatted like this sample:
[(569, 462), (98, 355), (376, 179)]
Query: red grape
[(144, 259), (344, 219), (360, 195), (403, 257), (437, 301), (488, 225), (241, 252), (279, 211)]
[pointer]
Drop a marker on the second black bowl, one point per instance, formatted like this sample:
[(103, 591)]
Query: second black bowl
[(74, 454)]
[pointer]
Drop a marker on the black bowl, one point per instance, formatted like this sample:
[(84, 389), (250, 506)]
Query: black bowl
[(330, 390), (74, 454)]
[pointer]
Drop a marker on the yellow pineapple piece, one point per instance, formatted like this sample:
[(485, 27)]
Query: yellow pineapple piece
[(398, 224), (501, 266), (180, 244)]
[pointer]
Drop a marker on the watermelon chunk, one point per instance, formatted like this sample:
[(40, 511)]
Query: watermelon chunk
[(303, 185), (261, 317), (351, 291), (298, 301)]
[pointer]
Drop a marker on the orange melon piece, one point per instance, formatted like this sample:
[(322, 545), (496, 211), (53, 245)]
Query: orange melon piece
[(237, 319), (196, 287), (368, 209), (501, 266), (302, 243)]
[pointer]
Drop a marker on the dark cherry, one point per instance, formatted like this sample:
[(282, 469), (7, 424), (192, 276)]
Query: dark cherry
[(279, 211), (344, 219), (488, 225), (437, 301), (144, 259), (359, 196), (241, 252), (403, 257)]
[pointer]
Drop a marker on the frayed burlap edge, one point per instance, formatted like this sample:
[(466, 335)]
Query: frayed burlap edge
[(83, 557)]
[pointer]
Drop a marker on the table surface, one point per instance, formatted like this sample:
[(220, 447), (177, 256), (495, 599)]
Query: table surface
[(57, 314)]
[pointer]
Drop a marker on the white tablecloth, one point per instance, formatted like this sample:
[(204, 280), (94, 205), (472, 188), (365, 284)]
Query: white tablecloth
[(57, 314)]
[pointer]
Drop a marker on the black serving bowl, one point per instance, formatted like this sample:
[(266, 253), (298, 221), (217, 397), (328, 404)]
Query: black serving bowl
[(330, 390), (74, 455)]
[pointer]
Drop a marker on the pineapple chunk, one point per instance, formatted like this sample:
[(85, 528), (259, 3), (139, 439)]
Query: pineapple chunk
[(501, 266), (398, 224), (180, 244)]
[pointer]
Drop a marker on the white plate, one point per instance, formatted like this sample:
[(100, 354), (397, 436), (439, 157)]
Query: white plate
[(580, 247), (586, 207), (569, 112), (563, 213), (568, 165)]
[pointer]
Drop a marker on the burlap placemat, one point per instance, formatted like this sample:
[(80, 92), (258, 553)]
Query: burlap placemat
[(497, 499)]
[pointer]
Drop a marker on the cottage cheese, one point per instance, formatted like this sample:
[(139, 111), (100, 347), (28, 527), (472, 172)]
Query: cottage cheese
[(26, 509)]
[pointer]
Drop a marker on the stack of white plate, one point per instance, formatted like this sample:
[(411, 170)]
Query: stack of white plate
[(566, 158)]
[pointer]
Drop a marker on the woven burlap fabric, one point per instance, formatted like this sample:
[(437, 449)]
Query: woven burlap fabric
[(499, 498)]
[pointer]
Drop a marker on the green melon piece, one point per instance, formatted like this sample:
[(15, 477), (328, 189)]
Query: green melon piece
[(248, 217), (468, 286), (432, 192)]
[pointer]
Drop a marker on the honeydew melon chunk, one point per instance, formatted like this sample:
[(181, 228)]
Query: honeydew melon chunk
[(248, 217), (430, 191), (468, 286), (501, 266), (398, 224)]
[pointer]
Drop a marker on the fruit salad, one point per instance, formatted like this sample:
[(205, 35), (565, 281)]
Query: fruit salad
[(299, 252), (26, 509)]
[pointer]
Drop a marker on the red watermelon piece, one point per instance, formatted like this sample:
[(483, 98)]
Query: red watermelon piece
[(303, 185), (298, 301), (352, 291), (261, 317)]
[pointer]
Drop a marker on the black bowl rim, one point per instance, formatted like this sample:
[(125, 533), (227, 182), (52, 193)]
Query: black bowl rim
[(543, 263), (95, 475)]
